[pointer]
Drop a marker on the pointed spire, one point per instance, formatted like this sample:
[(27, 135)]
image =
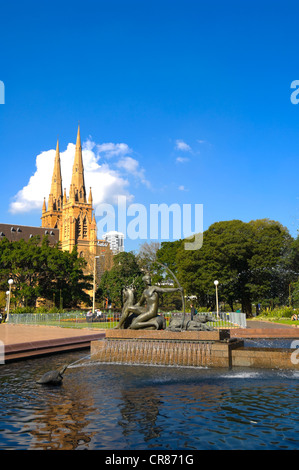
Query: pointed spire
[(90, 197), (93, 229), (93, 222), (56, 186), (78, 171), (44, 206)]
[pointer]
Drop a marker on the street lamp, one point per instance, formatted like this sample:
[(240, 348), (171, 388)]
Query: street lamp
[(94, 283), (10, 283), (216, 284), (6, 305)]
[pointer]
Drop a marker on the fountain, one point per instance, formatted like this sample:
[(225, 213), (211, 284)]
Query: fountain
[(142, 337)]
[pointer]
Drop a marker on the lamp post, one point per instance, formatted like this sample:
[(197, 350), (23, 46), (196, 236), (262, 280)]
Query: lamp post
[(10, 283), (94, 283), (216, 284), (6, 305)]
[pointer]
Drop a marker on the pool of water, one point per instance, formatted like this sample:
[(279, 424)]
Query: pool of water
[(279, 343), (125, 407)]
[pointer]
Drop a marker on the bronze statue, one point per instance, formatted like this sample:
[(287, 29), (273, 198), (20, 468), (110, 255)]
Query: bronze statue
[(199, 323), (144, 313), (128, 299)]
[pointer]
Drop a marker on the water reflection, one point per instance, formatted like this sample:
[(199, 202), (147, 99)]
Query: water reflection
[(132, 407), (60, 425), (139, 415)]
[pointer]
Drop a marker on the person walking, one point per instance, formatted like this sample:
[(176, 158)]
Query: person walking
[(192, 311)]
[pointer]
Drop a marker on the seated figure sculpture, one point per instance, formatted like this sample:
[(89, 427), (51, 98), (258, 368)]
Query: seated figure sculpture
[(144, 314)]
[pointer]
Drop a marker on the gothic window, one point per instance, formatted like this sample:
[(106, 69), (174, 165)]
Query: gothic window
[(84, 227), (78, 228)]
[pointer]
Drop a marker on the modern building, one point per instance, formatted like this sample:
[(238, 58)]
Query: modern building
[(115, 240)]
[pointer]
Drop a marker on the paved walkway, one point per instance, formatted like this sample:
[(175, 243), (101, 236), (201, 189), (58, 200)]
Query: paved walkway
[(24, 341), (265, 329)]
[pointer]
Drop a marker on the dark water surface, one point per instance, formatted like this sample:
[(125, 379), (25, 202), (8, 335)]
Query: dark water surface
[(116, 407)]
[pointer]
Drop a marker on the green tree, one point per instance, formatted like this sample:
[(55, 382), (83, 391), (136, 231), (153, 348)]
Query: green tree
[(40, 270), (271, 265), (124, 272), (250, 261)]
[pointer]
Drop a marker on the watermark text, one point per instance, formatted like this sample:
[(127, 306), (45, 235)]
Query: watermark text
[(295, 354), (2, 93), (2, 357), (158, 221)]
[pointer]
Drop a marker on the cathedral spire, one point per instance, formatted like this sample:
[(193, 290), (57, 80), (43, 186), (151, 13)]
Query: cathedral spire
[(78, 172), (44, 206), (56, 186), (90, 197)]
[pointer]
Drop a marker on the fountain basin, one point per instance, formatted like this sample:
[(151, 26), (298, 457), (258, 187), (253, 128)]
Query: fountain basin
[(185, 348), (266, 358), (188, 348)]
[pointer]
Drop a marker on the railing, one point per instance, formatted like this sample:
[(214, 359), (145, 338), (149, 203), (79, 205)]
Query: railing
[(223, 320), (74, 319), (110, 319), (229, 320)]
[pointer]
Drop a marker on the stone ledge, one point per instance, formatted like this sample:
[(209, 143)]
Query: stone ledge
[(264, 358), (164, 335)]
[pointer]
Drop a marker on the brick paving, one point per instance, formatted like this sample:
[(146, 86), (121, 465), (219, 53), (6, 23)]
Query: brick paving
[(25, 341), (265, 329)]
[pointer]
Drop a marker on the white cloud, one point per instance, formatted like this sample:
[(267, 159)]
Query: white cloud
[(113, 150), (108, 181), (182, 188), (182, 159), (131, 166), (181, 145)]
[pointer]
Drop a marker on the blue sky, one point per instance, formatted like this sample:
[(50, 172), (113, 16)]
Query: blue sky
[(183, 102)]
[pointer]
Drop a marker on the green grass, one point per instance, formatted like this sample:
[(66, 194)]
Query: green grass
[(283, 321)]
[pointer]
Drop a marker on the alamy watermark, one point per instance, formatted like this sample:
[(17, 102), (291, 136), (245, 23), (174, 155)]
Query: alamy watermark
[(295, 354), (294, 95), (2, 358), (2, 93), (159, 221)]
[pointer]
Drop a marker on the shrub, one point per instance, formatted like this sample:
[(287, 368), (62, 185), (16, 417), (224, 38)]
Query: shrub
[(280, 312)]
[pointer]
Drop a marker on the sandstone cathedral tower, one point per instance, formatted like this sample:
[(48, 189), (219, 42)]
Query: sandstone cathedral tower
[(74, 215)]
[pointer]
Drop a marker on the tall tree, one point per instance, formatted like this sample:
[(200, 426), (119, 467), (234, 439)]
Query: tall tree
[(248, 259), (125, 271), (39, 270)]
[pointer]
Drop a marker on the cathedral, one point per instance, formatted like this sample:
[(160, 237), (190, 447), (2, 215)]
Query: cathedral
[(73, 215)]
